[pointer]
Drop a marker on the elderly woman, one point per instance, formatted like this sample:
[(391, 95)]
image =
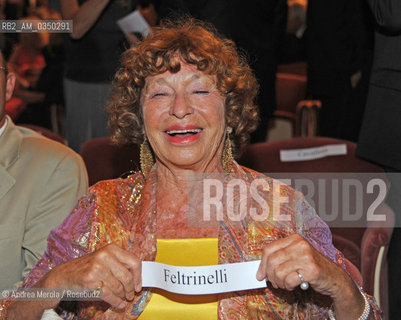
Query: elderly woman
[(187, 96)]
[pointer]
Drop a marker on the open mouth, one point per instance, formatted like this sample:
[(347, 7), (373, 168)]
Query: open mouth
[(183, 133)]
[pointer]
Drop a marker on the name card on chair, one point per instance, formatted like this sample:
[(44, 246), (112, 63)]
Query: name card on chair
[(313, 153), (202, 280)]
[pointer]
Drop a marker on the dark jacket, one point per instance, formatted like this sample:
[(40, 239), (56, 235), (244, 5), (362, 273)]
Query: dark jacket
[(380, 138)]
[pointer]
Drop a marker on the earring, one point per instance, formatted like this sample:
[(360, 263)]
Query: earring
[(227, 155), (146, 158)]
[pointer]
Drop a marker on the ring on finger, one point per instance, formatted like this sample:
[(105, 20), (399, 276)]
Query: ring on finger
[(304, 284)]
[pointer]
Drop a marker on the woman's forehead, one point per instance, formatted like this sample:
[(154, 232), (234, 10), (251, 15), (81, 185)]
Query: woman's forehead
[(187, 72)]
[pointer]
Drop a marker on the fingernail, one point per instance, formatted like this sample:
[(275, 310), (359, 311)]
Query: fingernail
[(122, 305), (259, 275)]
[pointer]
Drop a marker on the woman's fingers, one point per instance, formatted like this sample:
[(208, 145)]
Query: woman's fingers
[(125, 271), (109, 297), (112, 282), (128, 269), (271, 249), (291, 281), (274, 254), (283, 260), (120, 272), (287, 262), (261, 274), (286, 275), (116, 270)]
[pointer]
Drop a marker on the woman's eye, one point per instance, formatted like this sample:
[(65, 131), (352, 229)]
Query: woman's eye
[(159, 94), (201, 92)]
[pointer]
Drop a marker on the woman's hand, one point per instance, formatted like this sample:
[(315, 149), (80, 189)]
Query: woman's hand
[(283, 260), (132, 39), (116, 270)]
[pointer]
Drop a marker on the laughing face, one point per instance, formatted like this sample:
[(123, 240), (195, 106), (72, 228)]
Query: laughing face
[(184, 119)]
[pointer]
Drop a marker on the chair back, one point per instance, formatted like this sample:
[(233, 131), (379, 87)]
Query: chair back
[(45, 132), (291, 104), (290, 89), (106, 160)]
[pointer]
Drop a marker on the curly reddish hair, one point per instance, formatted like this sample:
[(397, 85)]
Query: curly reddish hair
[(195, 43)]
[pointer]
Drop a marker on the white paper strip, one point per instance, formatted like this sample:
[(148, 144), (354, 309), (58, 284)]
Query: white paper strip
[(202, 280), (50, 314), (313, 153), (134, 22)]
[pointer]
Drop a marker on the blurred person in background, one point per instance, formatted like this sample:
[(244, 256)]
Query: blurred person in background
[(339, 44), (38, 63), (93, 51), (293, 44), (27, 63)]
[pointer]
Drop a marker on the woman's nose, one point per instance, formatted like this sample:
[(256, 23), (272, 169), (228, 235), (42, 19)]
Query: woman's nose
[(181, 106)]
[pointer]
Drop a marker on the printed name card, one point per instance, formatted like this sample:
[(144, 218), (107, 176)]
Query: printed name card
[(313, 153), (202, 280)]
